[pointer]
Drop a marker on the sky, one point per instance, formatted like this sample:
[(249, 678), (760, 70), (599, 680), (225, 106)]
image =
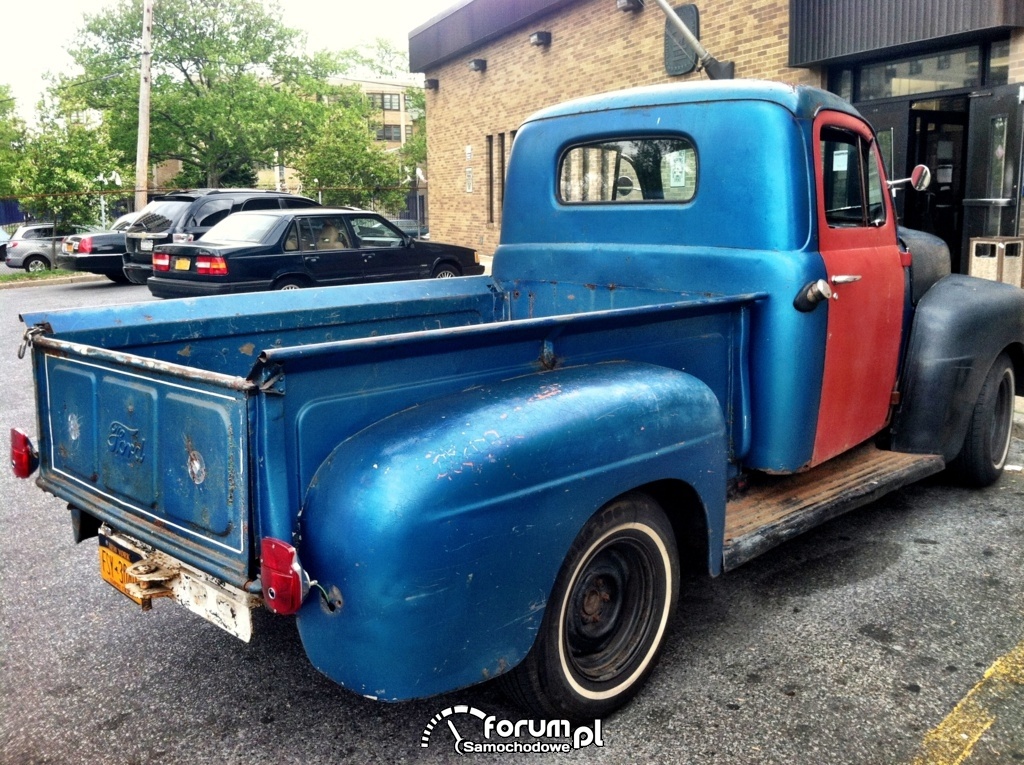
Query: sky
[(37, 33)]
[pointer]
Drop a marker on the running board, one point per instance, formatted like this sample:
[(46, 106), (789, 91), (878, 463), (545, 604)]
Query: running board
[(774, 509)]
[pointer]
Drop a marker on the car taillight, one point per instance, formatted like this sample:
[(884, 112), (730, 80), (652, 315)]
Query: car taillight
[(24, 457), (181, 238), (85, 244), (161, 261), (12, 245), (211, 265), (285, 584)]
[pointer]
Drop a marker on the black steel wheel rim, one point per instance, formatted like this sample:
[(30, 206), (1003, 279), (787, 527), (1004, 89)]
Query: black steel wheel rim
[(612, 611)]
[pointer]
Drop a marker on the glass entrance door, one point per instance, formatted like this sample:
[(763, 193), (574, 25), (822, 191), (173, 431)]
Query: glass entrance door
[(939, 140), (992, 198)]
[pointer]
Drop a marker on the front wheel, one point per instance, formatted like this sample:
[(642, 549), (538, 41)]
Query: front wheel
[(36, 263), (606, 620), (981, 460)]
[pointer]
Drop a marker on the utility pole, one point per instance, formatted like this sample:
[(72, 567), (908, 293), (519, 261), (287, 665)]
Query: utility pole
[(145, 86)]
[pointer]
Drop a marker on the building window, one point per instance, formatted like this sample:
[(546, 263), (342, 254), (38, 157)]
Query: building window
[(973, 66), (490, 179), (640, 170), (389, 133), (998, 64), (501, 172), (389, 102)]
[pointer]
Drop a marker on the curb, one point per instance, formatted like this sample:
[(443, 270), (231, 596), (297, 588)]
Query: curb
[(1018, 419), (56, 280)]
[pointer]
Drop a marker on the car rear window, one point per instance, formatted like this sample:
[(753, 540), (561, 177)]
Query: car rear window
[(160, 216), (241, 228)]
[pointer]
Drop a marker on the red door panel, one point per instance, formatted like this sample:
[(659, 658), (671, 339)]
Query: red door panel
[(862, 261)]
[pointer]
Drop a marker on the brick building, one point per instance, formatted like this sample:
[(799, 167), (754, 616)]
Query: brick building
[(939, 79)]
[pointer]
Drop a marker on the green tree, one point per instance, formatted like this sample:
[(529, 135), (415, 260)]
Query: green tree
[(63, 158), (344, 158), (414, 152), (12, 144), (230, 86)]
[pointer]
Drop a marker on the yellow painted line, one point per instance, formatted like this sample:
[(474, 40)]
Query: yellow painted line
[(952, 741)]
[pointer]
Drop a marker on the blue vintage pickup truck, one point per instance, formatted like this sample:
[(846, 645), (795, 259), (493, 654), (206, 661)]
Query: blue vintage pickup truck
[(703, 334)]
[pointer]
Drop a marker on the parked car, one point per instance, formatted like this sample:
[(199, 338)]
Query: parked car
[(413, 228), (289, 249), (184, 216), (98, 252), (34, 246)]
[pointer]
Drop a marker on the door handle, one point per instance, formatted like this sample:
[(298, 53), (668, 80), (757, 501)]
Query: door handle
[(846, 278)]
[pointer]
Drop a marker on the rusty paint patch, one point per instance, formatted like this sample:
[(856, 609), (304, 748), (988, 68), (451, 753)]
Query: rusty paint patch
[(186, 352)]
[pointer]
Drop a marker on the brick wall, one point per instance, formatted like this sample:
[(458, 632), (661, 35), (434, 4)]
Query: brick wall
[(594, 48)]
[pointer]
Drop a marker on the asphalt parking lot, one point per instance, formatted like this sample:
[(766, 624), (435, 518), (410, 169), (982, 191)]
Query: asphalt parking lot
[(892, 635)]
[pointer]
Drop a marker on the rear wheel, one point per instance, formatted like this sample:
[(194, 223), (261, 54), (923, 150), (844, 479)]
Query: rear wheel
[(36, 263), (289, 284), (981, 460), (607, 617)]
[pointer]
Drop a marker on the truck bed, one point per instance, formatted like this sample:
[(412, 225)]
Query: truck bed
[(197, 425)]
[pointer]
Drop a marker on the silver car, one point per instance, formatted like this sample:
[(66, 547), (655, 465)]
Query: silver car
[(34, 247)]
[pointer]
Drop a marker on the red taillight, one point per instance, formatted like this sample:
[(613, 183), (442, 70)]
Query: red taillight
[(24, 457), (12, 245), (161, 261), (211, 265), (85, 244), (285, 584)]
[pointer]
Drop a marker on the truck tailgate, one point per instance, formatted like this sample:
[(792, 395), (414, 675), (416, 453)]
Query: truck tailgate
[(153, 449)]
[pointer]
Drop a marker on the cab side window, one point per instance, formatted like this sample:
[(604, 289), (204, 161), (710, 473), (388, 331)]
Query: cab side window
[(851, 182)]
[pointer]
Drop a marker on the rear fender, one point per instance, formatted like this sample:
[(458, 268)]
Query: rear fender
[(960, 326), (437, 533)]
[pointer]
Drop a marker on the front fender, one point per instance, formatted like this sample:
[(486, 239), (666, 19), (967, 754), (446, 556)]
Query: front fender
[(960, 326), (438, 532)]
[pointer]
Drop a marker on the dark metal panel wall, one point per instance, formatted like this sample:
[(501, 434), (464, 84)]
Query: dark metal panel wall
[(469, 26), (823, 30)]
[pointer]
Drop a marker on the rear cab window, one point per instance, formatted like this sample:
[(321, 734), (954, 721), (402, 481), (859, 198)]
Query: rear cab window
[(629, 170)]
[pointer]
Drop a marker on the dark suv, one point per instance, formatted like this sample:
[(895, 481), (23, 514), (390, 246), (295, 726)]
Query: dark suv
[(183, 216)]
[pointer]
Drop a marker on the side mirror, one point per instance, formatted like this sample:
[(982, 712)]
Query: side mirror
[(920, 179)]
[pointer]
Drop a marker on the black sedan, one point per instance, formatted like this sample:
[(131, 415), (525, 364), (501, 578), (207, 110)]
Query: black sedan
[(97, 252), (290, 249)]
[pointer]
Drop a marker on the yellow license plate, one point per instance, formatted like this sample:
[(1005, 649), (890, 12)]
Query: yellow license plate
[(182, 264), (114, 561), (68, 247)]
